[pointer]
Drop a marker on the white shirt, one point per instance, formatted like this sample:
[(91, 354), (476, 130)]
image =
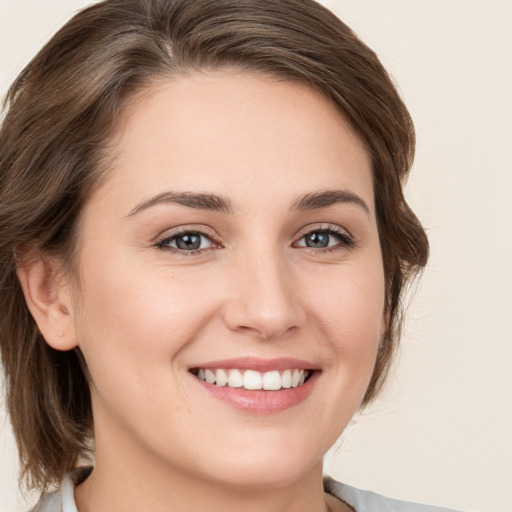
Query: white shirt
[(366, 501)]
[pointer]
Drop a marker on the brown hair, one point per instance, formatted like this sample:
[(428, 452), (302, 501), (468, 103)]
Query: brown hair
[(60, 114)]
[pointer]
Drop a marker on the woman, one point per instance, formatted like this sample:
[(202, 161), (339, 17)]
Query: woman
[(205, 244)]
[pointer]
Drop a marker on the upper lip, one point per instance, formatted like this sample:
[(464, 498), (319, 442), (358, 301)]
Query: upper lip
[(261, 365)]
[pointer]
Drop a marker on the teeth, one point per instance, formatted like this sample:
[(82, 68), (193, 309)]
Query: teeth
[(286, 379), (236, 379), (253, 380), (221, 378), (272, 381)]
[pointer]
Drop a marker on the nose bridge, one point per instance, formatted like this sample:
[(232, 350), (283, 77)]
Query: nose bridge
[(264, 300)]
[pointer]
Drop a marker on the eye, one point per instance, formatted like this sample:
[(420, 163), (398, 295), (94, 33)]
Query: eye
[(189, 241), (326, 238)]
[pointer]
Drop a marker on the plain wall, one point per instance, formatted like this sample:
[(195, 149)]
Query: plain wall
[(442, 430)]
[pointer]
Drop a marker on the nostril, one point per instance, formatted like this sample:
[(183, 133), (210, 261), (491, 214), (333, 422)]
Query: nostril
[(267, 332)]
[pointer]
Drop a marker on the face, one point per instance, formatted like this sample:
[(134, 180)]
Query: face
[(235, 239)]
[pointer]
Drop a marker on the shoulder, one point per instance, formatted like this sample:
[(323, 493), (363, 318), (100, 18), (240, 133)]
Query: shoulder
[(366, 501)]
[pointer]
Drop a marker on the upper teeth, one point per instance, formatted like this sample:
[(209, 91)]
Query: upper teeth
[(251, 379)]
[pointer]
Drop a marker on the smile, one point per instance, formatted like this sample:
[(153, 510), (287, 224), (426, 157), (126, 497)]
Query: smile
[(254, 380), (258, 386)]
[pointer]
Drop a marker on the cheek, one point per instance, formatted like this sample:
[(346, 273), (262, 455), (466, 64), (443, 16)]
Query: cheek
[(351, 309), (350, 314), (140, 320), (133, 332)]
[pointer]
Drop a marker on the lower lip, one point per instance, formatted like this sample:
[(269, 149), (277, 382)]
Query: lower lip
[(261, 401)]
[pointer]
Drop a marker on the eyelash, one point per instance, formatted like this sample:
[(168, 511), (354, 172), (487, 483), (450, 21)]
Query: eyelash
[(163, 243), (345, 241)]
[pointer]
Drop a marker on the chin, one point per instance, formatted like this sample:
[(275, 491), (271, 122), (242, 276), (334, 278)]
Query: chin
[(257, 477), (263, 465)]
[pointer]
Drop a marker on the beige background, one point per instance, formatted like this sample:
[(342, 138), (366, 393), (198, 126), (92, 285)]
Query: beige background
[(442, 431)]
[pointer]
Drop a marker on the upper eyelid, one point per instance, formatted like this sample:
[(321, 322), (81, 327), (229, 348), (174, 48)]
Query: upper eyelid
[(323, 226), (181, 230)]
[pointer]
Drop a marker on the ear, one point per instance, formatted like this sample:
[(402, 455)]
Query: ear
[(48, 298)]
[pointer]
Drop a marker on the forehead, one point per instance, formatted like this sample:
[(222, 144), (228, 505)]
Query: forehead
[(235, 133)]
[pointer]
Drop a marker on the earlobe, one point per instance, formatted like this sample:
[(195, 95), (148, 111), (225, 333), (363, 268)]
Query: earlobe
[(49, 300)]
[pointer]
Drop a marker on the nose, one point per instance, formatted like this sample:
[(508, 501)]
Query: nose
[(264, 299)]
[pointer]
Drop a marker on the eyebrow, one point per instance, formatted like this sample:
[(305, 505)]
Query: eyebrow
[(209, 202), (213, 202), (326, 198)]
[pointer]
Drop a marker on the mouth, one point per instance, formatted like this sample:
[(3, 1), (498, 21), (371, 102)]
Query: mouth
[(258, 386), (254, 380)]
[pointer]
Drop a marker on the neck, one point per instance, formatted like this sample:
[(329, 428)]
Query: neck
[(127, 481), (129, 490)]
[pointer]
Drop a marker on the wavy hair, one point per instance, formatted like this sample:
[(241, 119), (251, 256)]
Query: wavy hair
[(60, 113)]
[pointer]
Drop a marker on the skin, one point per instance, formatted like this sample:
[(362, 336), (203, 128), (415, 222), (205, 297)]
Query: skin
[(146, 313)]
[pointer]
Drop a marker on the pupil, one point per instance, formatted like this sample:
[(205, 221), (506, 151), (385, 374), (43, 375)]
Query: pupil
[(189, 242), (317, 240)]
